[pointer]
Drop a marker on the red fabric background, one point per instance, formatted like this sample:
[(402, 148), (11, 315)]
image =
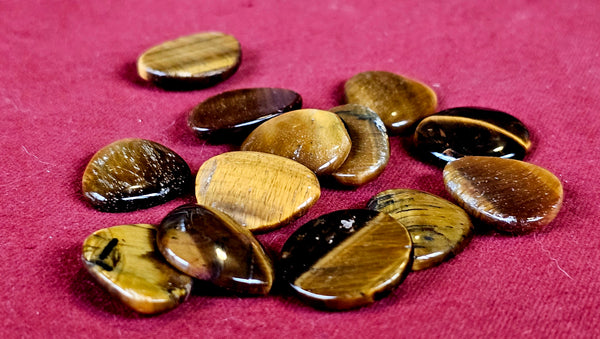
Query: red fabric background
[(69, 87)]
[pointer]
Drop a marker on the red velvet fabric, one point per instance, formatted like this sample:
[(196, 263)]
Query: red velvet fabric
[(69, 87)]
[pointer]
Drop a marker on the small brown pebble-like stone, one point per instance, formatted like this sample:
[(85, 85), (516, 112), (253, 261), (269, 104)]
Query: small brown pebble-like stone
[(240, 111), (456, 132), (317, 139), (370, 150), (193, 61), (399, 101), (438, 228), (346, 259), (125, 261), (209, 245), (132, 174), (260, 191), (512, 195)]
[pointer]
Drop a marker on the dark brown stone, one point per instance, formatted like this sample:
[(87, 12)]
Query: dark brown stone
[(346, 259), (193, 61), (132, 174), (209, 245), (399, 101), (461, 131), (438, 228), (233, 114), (512, 195), (370, 150)]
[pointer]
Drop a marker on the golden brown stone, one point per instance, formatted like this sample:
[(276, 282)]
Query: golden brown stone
[(125, 261), (258, 190), (198, 60), (315, 138), (512, 195), (370, 150), (347, 258), (132, 174), (399, 101), (209, 245), (438, 228)]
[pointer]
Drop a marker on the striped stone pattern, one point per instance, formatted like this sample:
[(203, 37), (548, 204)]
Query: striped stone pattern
[(125, 261), (315, 138), (399, 101), (370, 151), (511, 195), (235, 113), (131, 174), (201, 59), (346, 259), (438, 228), (258, 190)]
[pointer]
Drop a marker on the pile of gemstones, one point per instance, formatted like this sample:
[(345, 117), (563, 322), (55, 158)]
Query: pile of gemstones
[(341, 260)]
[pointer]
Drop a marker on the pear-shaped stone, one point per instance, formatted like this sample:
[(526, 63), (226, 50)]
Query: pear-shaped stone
[(399, 101), (124, 260), (193, 61), (260, 191), (317, 139), (132, 174), (439, 229), (370, 149), (512, 195), (209, 245)]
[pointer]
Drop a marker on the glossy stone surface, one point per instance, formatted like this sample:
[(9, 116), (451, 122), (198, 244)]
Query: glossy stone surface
[(456, 132), (512, 195), (346, 259), (240, 111), (193, 61), (260, 191), (370, 150), (317, 139), (132, 174), (439, 229), (399, 101), (209, 245), (125, 261)]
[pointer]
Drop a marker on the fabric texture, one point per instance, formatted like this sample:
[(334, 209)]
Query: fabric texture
[(69, 87)]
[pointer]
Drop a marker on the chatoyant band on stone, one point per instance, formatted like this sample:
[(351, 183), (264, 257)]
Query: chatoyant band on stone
[(341, 260)]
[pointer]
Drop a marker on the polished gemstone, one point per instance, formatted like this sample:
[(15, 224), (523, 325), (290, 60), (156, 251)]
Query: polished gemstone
[(125, 261), (209, 245), (370, 150), (456, 132), (512, 195), (240, 111), (258, 190), (317, 139), (347, 258), (438, 228), (132, 174), (193, 61), (399, 101)]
